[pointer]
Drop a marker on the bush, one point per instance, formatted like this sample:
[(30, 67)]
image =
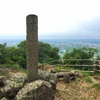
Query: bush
[(17, 55), (82, 53)]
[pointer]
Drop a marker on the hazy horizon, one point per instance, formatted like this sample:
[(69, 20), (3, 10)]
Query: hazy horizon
[(55, 36)]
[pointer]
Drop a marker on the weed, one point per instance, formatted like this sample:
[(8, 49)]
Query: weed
[(97, 85), (87, 73), (65, 91), (57, 69), (13, 67), (97, 74), (83, 98), (88, 79)]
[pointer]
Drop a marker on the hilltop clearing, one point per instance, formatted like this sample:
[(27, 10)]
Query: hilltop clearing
[(84, 87)]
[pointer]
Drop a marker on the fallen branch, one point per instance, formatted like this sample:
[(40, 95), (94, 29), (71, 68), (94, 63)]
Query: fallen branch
[(61, 74), (67, 76)]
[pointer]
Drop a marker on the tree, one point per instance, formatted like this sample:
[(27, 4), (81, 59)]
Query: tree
[(17, 55), (4, 56), (22, 54), (82, 53), (13, 53), (46, 53)]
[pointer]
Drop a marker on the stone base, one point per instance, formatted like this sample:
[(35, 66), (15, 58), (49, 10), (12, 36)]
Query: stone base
[(37, 90)]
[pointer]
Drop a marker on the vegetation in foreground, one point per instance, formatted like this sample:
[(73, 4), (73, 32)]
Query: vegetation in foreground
[(85, 87)]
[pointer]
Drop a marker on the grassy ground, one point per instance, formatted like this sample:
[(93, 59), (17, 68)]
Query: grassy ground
[(83, 88)]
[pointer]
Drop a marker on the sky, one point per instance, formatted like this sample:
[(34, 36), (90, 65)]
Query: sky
[(57, 19)]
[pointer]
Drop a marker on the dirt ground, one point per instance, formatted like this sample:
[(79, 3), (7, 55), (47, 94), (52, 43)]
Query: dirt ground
[(78, 89)]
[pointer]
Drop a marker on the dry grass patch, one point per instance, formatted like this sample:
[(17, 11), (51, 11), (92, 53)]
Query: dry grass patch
[(80, 89)]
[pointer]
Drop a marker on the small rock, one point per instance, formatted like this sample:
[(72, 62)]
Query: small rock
[(53, 70), (66, 78), (53, 80)]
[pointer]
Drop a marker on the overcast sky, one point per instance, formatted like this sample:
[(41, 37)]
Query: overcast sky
[(56, 18)]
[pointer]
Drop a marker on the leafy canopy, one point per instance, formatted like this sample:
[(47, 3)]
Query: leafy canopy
[(17, 55), (81, 53)]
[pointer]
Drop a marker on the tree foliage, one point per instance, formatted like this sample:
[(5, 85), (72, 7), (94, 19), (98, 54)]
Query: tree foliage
[(47, 53), (82, 53), (17, 55), (3, 53)]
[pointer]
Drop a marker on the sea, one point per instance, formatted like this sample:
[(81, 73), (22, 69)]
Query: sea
[(61, 44)]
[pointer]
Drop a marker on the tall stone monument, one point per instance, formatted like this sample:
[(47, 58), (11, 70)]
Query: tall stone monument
[(32, 47)]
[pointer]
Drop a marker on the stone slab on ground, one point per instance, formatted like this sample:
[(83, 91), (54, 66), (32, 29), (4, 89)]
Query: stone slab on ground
[(37, 90)]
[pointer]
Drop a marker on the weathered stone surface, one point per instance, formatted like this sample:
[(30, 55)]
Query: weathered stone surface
[(2, 81), (32, 47), (37, 90), (4, 98), (66, 78), (13, 85), (43, 75), (5, 72), (17, 81), (70, 73), (53, 70), (50, 77), (53, 80)]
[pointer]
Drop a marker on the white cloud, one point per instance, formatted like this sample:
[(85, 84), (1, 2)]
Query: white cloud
[(55, 16)]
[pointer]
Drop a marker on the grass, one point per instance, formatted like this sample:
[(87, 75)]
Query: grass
[(87, 73), (14, 67), (60, 68), (88, 79), (96, 85), (97, 74), (83, 88), (80, 89)]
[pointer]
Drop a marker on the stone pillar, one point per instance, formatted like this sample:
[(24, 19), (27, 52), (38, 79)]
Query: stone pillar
[(32, 47)]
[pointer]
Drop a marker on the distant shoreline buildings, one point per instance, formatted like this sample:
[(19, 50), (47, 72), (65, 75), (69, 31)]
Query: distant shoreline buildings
[(62, 44)]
